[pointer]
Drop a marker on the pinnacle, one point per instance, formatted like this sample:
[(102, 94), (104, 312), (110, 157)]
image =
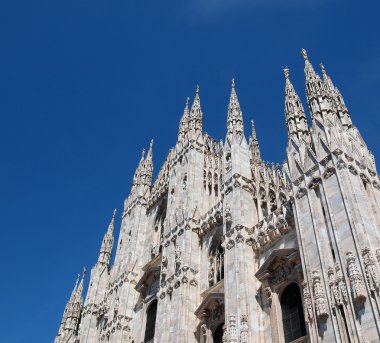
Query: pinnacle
[(253, 129), (149, 155), (304, 54), (196, 111), (234, 114), (323, 69), (286, 72)]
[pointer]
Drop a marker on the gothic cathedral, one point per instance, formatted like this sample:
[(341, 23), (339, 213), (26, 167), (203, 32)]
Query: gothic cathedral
[(225, 247)]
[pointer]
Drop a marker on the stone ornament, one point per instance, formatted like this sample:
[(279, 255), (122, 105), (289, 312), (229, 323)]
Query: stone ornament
[(232, 334), (204, 330), (334, 288), (319, 297), (164, 264), (370, 270), (377, 252), (357, 285), (225, 334), (228, 216), (177, 256), (341, 283), (244, 329), (308, 307), (268, 293)]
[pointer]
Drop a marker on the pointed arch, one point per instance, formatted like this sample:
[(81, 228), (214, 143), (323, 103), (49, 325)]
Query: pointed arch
[(292, 313), (150, 325)]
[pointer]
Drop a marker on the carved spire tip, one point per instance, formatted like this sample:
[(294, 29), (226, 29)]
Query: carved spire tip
[(323, 70), (304, 54), (286, 72), (233, 83)]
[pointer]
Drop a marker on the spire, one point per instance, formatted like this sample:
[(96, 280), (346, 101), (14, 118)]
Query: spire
[(73, 310), (196, 115), (107, 243), (68, 309), (184, 123), (337, 98), (295, 117), (136, 178), (326, 79), (254, 145), (75, 287), (79, 290), (235, 125), (148, 166), (313, 81)]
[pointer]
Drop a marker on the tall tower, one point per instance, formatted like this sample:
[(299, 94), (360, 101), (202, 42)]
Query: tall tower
[(335, 189), (240, 214)]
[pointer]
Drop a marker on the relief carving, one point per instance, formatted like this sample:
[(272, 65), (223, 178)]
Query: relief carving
[(341, 283), (308, 307), (319, 297), (232, 334), (244, 329), (357, 286), (370, 270)]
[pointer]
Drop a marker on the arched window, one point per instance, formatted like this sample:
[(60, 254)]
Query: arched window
[(216, 263), (150, 322), (292, 313), (218, 334)]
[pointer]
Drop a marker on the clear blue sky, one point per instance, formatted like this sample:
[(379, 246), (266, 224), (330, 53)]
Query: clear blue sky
[(85, 84)]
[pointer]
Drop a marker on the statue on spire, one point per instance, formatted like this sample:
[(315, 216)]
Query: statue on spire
[(254, 145)]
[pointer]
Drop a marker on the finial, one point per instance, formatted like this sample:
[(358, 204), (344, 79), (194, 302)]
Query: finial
[(143, 153), (114, 214), (323, 69), (151, 144), (286, 72), (253, 129), (233, 83), (187, 102), (304, 54), (197, 89), (84, 273)]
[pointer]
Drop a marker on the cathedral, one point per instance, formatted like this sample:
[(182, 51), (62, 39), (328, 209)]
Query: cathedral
[(225, 247)]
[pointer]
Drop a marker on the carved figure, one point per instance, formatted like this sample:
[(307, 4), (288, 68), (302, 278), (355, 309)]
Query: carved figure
[(356, 280)]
